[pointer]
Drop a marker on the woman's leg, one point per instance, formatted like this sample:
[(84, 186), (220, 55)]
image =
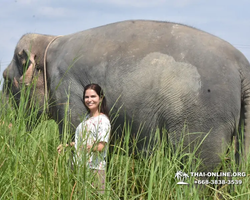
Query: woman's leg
[(99, 182)]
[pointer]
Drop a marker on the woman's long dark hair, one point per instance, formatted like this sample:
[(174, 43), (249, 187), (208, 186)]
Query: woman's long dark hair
[(97, 88)]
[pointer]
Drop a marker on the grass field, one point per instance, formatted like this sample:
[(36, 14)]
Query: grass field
[(31, 168)]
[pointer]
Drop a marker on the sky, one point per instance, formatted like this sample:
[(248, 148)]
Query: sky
[(227, 19)]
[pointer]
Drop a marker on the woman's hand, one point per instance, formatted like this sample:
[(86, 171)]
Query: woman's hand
[(96, 147), (60, 147)]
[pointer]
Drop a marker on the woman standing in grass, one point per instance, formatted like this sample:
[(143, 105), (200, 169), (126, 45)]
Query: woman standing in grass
[(92, 134)]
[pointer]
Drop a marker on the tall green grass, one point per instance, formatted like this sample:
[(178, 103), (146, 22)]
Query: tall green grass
[(31, 168)]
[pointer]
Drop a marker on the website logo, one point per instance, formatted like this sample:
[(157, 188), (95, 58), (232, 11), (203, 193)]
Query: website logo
[(181, 176)]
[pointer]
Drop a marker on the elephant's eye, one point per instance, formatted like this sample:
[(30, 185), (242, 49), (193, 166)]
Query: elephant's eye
[(18, 65)]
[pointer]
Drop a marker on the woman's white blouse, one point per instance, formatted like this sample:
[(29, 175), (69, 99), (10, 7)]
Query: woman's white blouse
[(90, 131)]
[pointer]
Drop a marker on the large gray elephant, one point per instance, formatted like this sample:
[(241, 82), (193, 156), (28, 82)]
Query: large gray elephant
[(160, 74)]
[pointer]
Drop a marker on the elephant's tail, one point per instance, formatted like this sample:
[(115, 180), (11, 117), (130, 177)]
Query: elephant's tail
[(243, 135)]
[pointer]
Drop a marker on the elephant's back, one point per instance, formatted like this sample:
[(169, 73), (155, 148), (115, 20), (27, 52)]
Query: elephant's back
[(131, 41)]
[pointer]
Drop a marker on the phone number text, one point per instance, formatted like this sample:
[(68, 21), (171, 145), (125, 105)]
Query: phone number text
[(218, 182)]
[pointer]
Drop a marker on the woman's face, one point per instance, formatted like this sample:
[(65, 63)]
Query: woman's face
[(92, 100)]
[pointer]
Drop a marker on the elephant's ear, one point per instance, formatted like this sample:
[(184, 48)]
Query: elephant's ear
[(27, 57)]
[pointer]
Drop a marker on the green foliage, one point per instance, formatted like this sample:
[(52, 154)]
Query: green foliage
[(31, 168)]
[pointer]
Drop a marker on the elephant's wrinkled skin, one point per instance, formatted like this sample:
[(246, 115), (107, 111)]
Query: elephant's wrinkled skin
[(164, 74)]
